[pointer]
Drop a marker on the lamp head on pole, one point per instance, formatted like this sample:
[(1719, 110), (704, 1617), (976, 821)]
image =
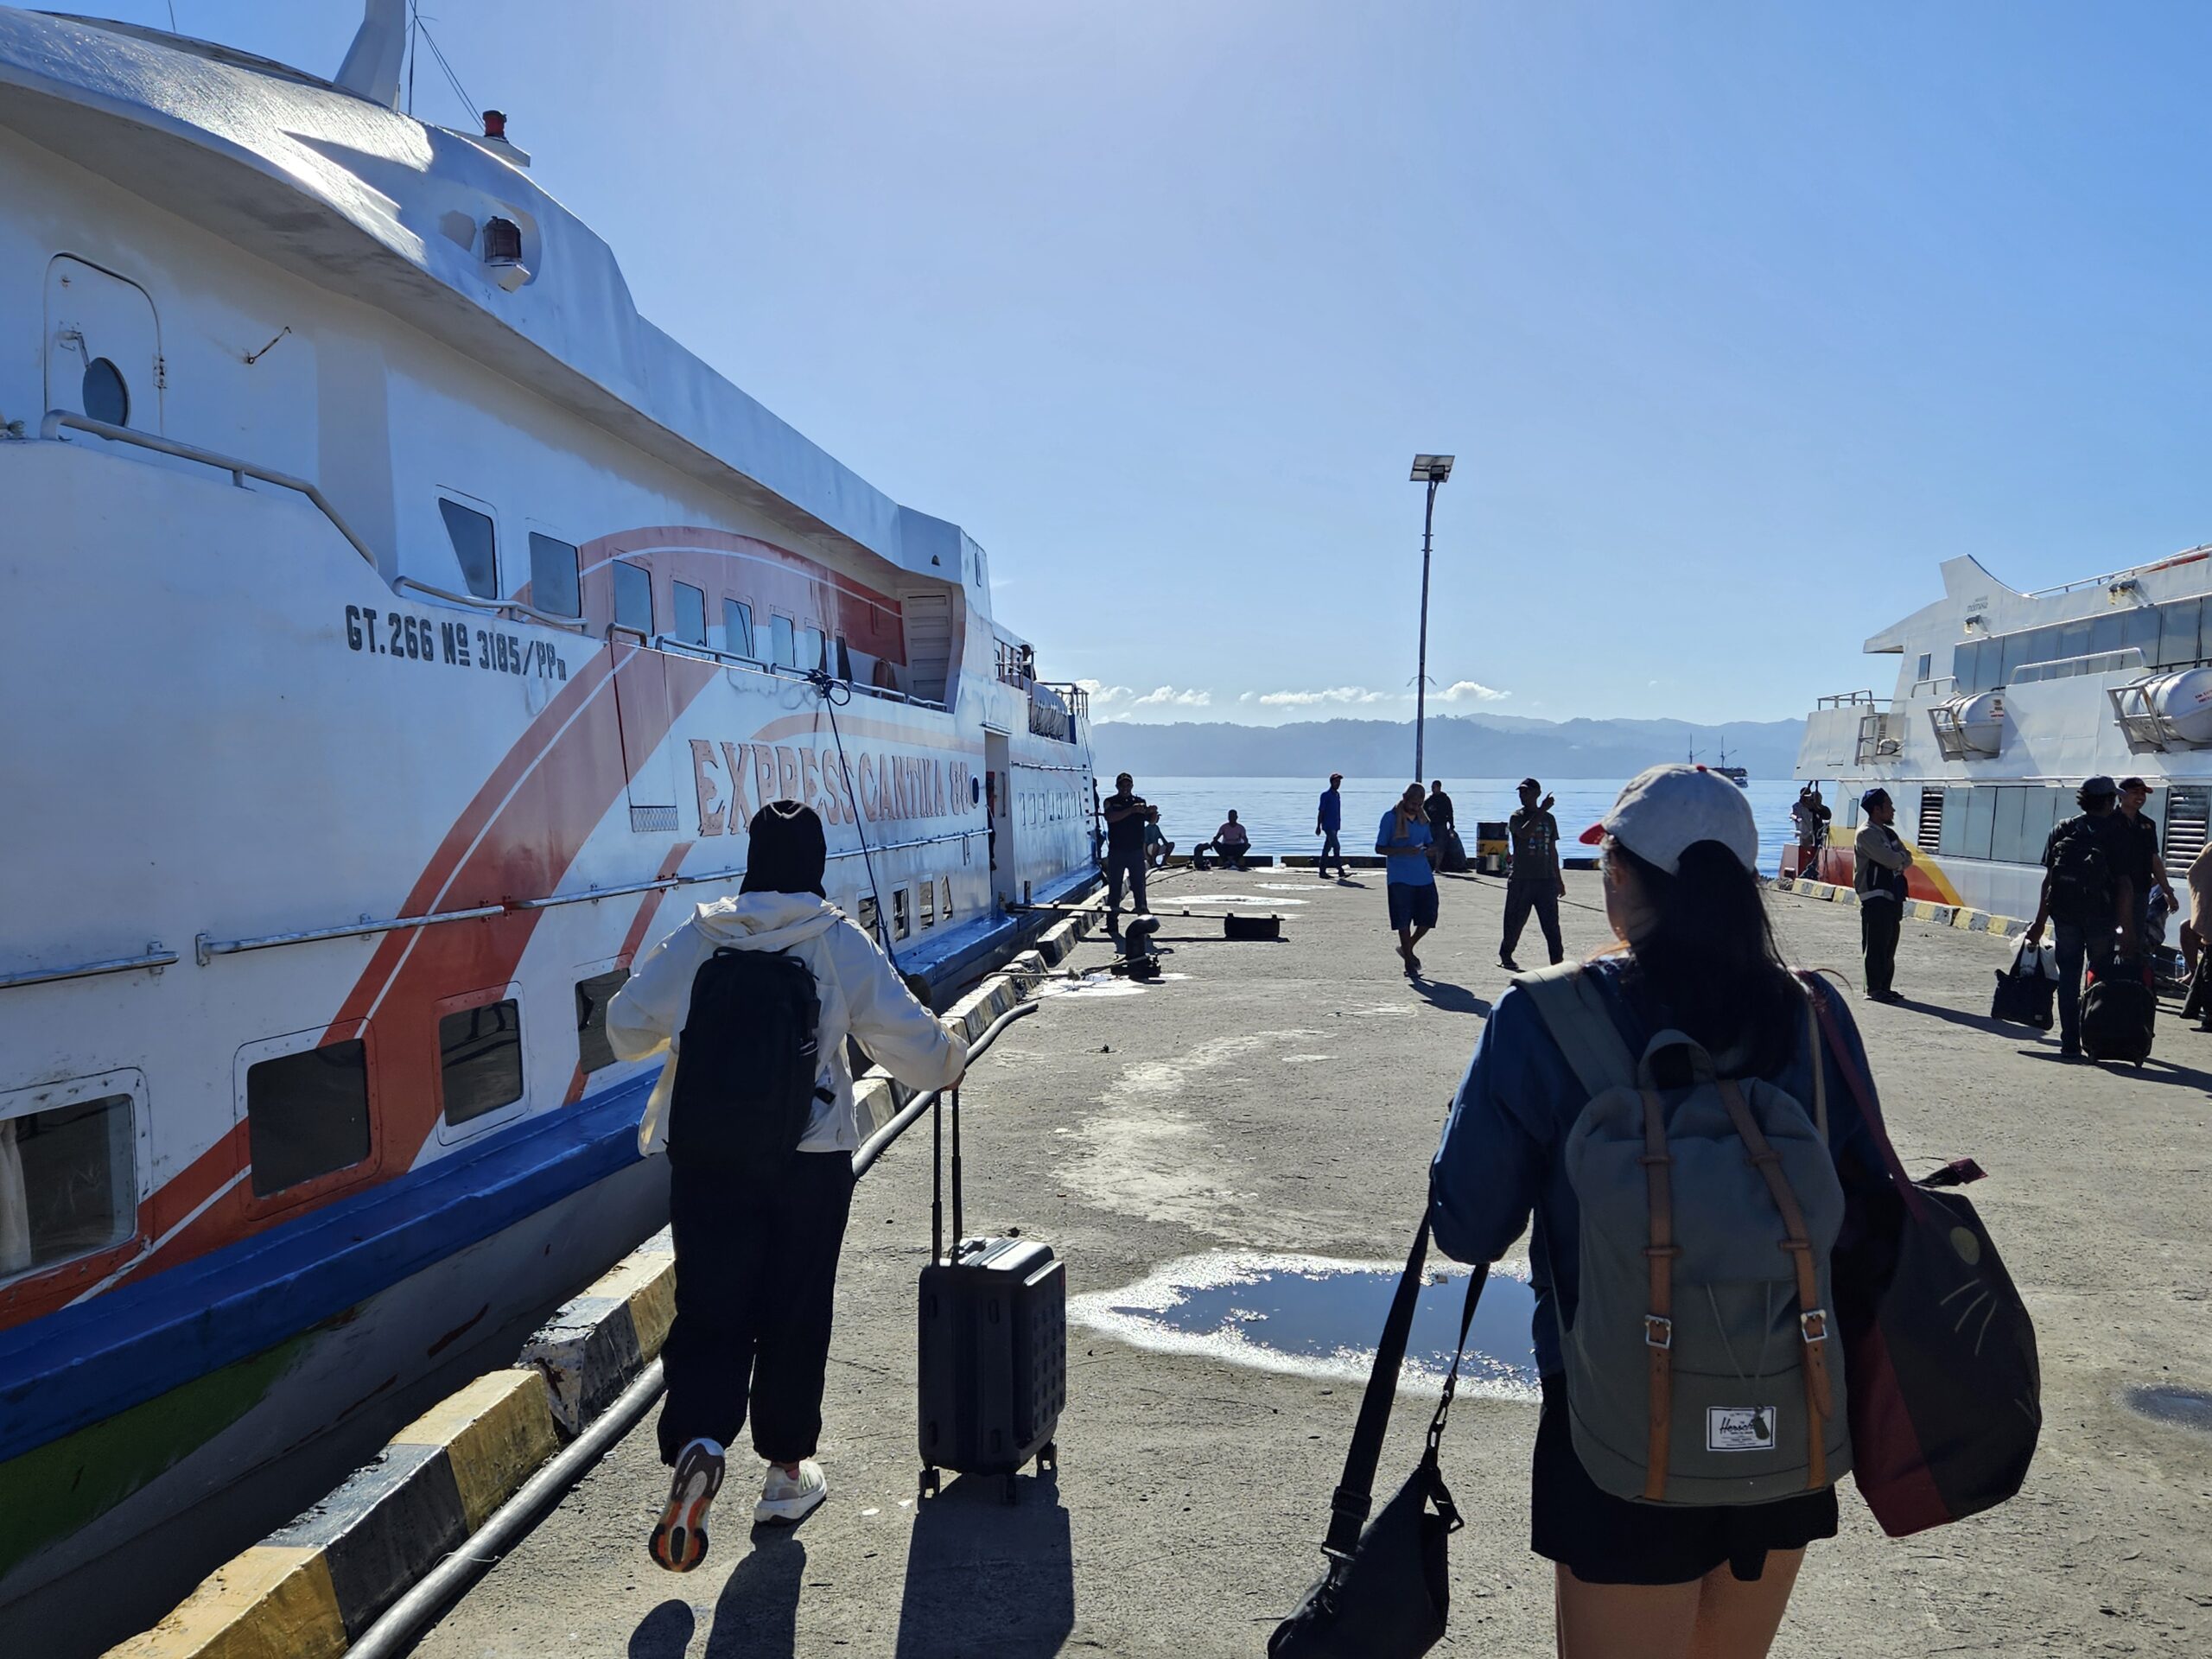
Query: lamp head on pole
[(1432, 469)]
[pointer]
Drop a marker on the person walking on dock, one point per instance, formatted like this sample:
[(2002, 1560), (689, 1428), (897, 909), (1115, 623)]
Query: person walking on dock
[(781, 979), (2148, 868), (2088, 895), (1682, 896), (1328, 820), (1402, 837), (1127, 815), (1536, 883), (1881, 861)]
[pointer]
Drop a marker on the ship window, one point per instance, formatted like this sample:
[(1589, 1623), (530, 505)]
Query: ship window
[(2178, 632), (2140, 628), (844, 659), (2015, 836), (947, 903), (480, 1060), (2073, 641), (810, 649), (593, 995), (2105, 633), (553, 576), (1927, 665), (928, 890), (502, 242), (737, 627), (106, 397), (307, 1115), (67, 1183), (633, 597), (691, 625), (868, 912), (474, 546), (901, 923), (786, 642)]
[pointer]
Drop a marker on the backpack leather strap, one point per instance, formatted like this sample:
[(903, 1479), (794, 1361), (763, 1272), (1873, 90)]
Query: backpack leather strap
[(1659, 1323), (1812, 1318)]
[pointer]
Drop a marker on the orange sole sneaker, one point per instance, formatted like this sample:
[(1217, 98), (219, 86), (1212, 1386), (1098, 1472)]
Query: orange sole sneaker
[(679, 1542)]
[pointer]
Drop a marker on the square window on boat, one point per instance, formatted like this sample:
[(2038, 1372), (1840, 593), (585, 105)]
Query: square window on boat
[(67, 1183), (947, 898), (633, 597), (553, 576), (474, 546), (307, 1113), (868, 914), (737, 628), (480, 1060), (786, 642), (810, 649), (844, 666), (901, 921), (691, 623), (593, 995), (928, 890)]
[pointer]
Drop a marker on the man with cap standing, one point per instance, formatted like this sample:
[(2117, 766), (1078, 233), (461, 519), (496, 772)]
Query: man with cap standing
[(2147, 870), (1536, 883), (1409, 882), (1328, 819), (2089, 893), (1882, 860)]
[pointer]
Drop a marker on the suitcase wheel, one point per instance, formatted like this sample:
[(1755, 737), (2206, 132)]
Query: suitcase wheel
[(929, 1483), (1048, 1457)]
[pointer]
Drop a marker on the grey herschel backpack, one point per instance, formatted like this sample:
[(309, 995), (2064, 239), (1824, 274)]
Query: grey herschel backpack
[(1701, 1365)]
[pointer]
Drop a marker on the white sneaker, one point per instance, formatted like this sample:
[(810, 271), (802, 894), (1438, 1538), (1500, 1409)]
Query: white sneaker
[(785, 1502)]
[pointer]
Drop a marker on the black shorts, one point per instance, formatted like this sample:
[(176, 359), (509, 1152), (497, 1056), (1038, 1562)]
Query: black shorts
[(1413, 904), (1607, 1540)]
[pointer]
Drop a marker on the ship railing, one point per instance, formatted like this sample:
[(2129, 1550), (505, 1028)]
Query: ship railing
[(1940, 685), (2142, 723), (676, 647), (2111, 578), (56, 420), (1846, 700)]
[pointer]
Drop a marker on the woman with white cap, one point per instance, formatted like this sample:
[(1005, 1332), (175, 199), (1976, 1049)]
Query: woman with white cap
[(1695, 954)]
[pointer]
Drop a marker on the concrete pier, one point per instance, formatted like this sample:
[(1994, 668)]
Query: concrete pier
[(1286, 1097)]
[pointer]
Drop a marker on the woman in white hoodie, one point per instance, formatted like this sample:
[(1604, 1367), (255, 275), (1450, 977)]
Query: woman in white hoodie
[(756, 1269)]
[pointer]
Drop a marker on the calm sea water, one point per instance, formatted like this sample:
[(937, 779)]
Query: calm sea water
[(1279, 811)]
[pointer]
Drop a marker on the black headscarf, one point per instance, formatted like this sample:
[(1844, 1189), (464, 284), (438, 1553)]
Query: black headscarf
[(789, 851)]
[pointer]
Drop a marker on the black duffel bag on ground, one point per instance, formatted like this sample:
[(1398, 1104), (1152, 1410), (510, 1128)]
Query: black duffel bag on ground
[(1386, 1592)]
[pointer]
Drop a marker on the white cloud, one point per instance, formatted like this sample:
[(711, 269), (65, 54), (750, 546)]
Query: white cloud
[(1103, 694), (1165, 695), (1470, 691), (1339, 693)]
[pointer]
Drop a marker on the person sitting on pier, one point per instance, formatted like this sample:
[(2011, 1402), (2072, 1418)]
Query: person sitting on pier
[(1230, 843), (1158, 849), (758, 1225)]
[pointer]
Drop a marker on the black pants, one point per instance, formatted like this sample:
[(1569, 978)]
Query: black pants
[(1878, 925), (1131, 864), (1542, 896), (756, 1271)]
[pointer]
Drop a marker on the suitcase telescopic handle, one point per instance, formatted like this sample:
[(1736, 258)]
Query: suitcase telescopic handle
[(937, 1179)]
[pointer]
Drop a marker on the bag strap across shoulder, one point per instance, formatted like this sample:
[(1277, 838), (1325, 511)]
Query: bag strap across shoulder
[(1573, 1010), (1354, 1497)]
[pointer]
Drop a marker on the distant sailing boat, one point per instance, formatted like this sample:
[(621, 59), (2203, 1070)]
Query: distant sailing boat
[(1736, 775)]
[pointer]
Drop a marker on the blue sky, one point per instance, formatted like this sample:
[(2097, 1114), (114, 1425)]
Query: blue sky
[(1739, 315)]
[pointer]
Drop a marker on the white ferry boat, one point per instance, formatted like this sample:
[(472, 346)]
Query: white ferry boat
[(2004, 704), (399, 632)]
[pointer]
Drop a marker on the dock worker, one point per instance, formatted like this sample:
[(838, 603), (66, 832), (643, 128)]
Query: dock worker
[(2148, 871), (1328, 820), (1882, 858), (1127, 814), (1230, 842), (756, 1256), (1536, 883), (2088, 895), (1402, 838)]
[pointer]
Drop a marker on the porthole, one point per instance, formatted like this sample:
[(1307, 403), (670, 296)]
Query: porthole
[(106, 397)]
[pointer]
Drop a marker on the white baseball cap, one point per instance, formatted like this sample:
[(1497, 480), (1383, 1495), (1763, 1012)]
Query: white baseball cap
[(1666, 810)]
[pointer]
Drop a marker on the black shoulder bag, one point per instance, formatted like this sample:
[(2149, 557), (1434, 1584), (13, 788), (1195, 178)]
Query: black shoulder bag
[(1386, 1592)]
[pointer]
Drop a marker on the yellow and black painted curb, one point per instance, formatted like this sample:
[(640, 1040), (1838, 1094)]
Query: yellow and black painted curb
[(310, 1589), (1922, 910)]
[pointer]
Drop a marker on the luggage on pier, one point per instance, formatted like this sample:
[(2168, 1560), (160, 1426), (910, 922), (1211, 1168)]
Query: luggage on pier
[(2026, 990), (1251, 927), (993, 1368), (2119, 1011)]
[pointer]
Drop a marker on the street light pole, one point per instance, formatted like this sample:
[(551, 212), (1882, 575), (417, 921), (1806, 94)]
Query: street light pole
[(1431, 470)]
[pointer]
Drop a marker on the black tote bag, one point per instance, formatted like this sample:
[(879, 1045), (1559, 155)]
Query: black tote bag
[(1386, 1592)]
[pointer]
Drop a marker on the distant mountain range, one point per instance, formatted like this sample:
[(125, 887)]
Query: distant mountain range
[(1462, 746)]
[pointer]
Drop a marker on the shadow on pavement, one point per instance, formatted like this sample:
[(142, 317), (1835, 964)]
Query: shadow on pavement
[(757, 1615), (664, 1633), (987, 1576), (1450, 998)]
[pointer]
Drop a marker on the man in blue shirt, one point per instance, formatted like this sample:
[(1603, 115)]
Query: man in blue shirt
[(1403, 838), (1329, 819)]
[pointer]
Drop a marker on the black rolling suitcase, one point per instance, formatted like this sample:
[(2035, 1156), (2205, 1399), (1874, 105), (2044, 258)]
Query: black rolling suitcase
[(993, 1343), (2120, 1011)]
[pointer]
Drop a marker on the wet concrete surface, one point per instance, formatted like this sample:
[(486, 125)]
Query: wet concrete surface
[(1280, 1102)]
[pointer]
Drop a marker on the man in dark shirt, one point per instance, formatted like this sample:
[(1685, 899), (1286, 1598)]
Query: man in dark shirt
[(2148, 870), (1536, 882), (2090, 900), (1445, 850), (1127, 814), (1328, 819)]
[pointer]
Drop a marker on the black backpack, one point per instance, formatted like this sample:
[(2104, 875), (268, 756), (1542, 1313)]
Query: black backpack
[(2081, 875), (745, 1073)]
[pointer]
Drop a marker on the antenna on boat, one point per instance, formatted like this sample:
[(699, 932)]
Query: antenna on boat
[(371, 66)]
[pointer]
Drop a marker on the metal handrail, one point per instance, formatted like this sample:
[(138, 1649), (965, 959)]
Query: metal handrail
[(50, 428), (477, 601), (154, 960), (204, 949)]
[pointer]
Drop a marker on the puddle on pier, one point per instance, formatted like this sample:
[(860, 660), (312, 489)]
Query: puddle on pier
[(2186, 1408), (1318, 1317), (1173, 901), (1093, 985)]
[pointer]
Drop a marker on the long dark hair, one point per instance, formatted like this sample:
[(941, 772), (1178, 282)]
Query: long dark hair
[(1709, 961)]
